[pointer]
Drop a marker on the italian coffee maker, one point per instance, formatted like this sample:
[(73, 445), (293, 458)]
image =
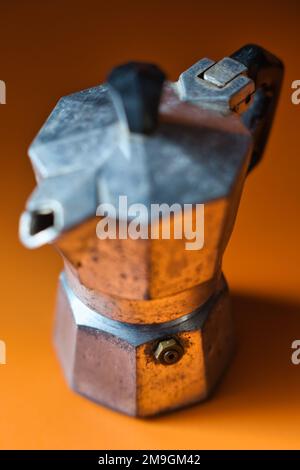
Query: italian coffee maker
[(143, 324)]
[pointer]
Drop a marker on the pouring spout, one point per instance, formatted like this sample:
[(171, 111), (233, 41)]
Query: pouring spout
[(57, 204), (41, 225)]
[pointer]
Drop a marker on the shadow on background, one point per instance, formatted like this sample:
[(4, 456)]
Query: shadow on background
[(261, 377)]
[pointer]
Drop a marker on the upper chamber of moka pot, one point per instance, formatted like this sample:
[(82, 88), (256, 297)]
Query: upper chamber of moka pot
[(155, 142)]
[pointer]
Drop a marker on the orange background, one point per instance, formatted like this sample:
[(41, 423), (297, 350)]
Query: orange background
[(52, 48)]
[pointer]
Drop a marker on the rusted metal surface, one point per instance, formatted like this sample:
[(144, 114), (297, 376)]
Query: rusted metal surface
[(116, 277), (118, 365)]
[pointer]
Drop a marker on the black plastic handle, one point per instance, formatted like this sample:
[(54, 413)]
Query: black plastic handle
[(266, 71)]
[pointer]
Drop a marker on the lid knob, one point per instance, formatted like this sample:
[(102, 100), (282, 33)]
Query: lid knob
[(139, 87)]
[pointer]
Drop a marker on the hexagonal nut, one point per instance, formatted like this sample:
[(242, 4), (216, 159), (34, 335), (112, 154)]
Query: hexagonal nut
[(116, 365), (168, 351)]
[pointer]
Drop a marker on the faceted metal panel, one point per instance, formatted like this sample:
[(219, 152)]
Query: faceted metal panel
[(84, 156), (114, 364), (148, 269)]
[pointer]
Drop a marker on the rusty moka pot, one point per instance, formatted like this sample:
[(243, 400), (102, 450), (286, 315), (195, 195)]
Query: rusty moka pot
[(143, 325)]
